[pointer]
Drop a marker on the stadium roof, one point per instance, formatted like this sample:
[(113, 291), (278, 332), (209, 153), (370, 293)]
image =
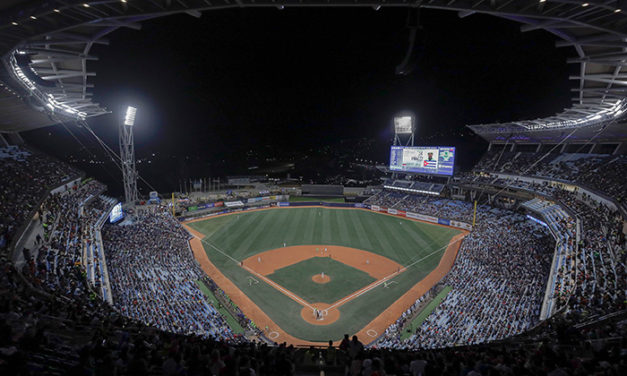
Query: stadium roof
[(45, 49)]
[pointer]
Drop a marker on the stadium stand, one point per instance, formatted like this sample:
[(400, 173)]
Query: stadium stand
[(26, 176), (496, 289), (55, 320), (603, 173), (437, 207), (154, 277)]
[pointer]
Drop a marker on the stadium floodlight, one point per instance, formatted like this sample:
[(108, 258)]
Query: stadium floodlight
[(127, 156), (403, 124), (129, 119)]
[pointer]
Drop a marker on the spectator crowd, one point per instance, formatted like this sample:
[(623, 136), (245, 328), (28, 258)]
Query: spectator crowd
[(603, 173), (498, 283), (26, 176), (52, 321), (154, 276)]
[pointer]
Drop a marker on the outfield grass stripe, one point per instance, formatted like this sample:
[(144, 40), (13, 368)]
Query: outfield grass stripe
[(317, 230), (297, 229), (399, 244), (359, 231), (310, 224), (372, 236), (278, 228), (227, 223), (226, 238), (326, 227), (382, 236), (426, 311), (342, 217), (221, 251), (263, 236)]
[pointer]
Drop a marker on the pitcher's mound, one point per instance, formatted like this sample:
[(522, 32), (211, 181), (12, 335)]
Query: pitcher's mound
[(318, 278), (324, 317)]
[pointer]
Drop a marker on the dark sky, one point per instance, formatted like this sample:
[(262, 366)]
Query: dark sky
[(240, 79)]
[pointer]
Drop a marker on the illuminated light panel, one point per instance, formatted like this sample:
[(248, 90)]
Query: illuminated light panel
[(129, 118)]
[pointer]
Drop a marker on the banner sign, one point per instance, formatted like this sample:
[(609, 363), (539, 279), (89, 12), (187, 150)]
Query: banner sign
[(463, 225), (284, 204), (375, 208), (421, 217), (392, 211), (234, 204), (443, 221), (359, 205)]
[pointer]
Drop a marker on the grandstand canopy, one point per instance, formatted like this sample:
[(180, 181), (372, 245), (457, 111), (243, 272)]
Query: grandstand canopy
[(45, 48)]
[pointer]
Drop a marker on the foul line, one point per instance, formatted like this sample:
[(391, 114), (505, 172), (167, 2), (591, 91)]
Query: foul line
[(384, 279), (288, 293)]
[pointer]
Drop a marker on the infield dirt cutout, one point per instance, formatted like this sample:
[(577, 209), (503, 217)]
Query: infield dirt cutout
[(375, 265)]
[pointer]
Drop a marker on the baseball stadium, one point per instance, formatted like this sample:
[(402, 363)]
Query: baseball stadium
[(260, 187)]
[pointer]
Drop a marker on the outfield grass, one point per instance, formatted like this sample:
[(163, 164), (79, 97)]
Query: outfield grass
[(236, 237), (344, 279), (316, 199), (426, 311)]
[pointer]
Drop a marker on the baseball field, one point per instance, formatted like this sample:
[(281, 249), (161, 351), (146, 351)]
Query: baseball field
[(306, 275)]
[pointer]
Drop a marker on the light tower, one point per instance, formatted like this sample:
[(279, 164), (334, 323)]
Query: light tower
[(127, 155), (404, 128)]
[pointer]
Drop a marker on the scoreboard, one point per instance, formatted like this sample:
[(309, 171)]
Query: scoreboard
[(435, 160)]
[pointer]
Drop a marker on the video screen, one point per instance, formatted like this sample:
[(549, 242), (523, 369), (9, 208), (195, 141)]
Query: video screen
[(436, 160), (403, 124), (116, 213)]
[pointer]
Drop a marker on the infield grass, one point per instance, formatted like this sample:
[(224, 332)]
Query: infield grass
[(235, 237), (298, 279)]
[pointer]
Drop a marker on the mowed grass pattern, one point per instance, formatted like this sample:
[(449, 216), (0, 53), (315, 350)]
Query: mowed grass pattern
[(344, 279), (245, 234)]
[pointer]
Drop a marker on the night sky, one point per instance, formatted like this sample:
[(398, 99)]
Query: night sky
[(280, 84)]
